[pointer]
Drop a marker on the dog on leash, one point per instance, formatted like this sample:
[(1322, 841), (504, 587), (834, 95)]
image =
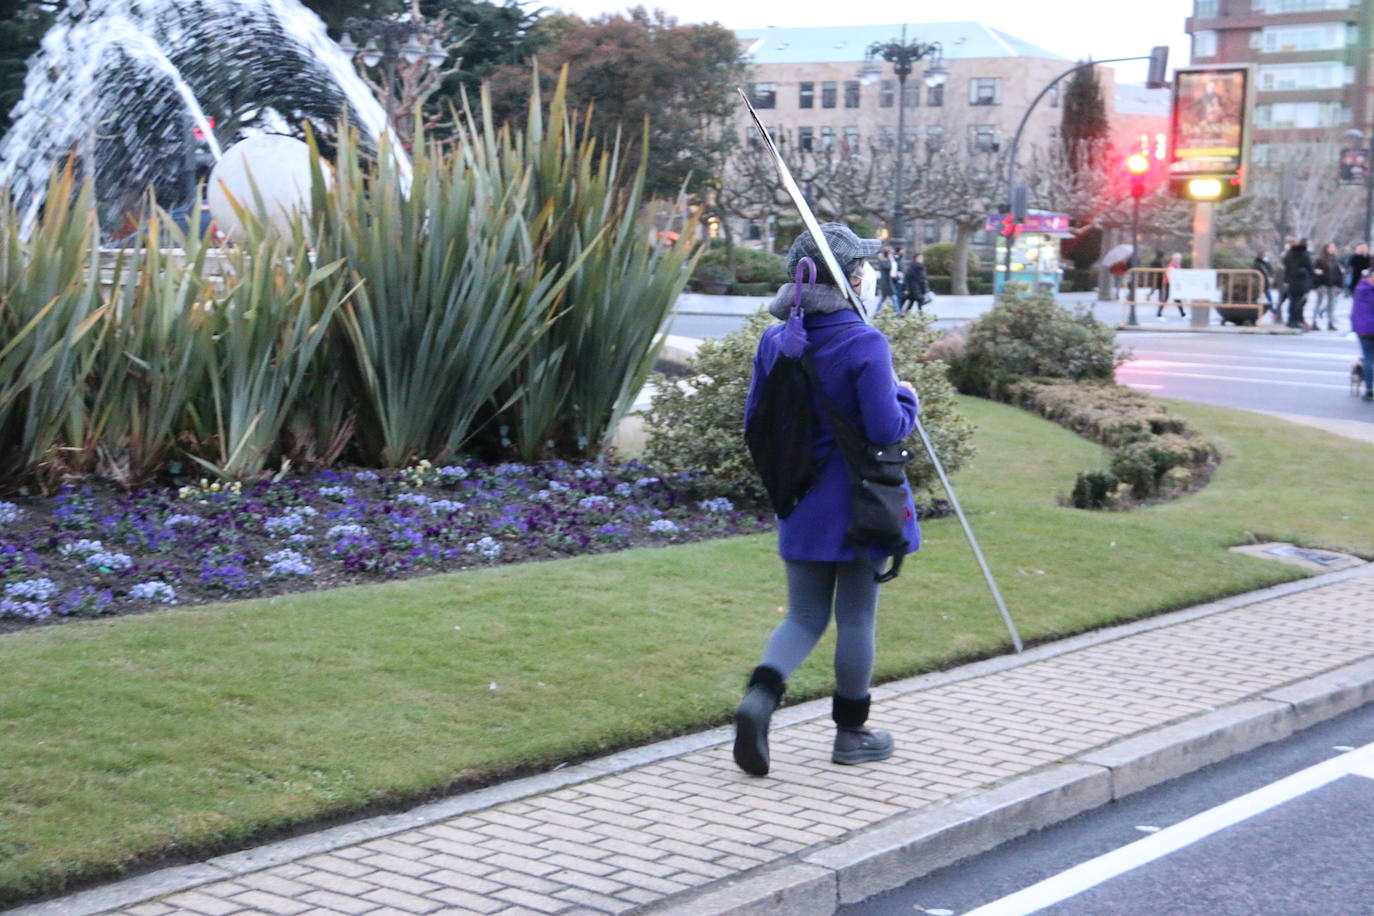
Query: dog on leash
[(1356, 376)]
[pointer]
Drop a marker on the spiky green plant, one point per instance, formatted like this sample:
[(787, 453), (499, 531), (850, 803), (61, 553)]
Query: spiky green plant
[(49, 304), (584, 374), (454, 289)]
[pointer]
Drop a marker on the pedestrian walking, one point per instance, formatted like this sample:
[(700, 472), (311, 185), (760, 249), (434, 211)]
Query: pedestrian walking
[(1156, 279), (1355, 267), (915, 283), (1298, 273), (1266, 270), (1175, 264), (826, 575), (1329, 280), (898, 273), (1362, 323), (886, 289)]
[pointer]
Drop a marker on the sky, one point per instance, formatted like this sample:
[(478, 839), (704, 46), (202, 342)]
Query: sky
[(1076, 29)]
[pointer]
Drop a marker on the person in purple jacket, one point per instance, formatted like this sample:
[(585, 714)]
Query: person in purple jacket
[(1362, 323), (825, 574)]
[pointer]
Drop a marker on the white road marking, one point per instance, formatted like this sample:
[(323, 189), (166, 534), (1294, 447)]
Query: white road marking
[(1317, 354), (1288, 383), (1143, 385), (1151, 363), (1089, 874)]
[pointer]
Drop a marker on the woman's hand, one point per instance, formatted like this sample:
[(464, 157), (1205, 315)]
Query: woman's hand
[(907, 385)]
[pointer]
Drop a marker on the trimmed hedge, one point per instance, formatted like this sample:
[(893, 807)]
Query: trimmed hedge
[(1155, 454)]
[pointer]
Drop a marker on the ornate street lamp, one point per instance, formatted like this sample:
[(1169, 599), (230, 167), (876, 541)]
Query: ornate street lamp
[(903, 55), (410, 55)]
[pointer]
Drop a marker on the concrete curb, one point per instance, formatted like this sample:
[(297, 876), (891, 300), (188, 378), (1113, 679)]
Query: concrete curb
[(910, 846), (906, 847)]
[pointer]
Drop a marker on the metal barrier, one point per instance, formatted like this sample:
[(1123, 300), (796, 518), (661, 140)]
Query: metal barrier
[(1242, 295)]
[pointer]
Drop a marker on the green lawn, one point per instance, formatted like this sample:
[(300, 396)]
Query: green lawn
[(198, 730)]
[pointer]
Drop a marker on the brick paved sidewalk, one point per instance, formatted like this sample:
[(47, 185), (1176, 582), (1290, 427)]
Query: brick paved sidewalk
[(677, 828)]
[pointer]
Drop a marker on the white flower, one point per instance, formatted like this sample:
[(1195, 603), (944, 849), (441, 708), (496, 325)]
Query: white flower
[(154, 591), (33, 589), (109, 560), (346, 530), (445, 506), (82, 547), (487, 548), (719, 505), (663, 527), (9, 512), (176, 521)]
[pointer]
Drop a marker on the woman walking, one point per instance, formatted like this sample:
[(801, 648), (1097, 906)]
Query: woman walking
[(1329, 281), (825, 574)]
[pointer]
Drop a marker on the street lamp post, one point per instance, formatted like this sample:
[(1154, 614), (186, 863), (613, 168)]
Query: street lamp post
[(903, 55)]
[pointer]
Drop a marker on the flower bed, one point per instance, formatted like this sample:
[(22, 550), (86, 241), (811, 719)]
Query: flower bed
[(88, 552)]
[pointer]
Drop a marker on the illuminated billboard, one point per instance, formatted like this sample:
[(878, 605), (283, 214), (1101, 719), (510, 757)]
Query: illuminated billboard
[(1209, 126)]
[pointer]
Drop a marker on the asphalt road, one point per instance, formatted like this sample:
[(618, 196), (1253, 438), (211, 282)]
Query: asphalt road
[(1304, 377), (1285, 830)]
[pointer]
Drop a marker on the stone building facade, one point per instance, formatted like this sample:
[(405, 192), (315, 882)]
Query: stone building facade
[(806, 86)]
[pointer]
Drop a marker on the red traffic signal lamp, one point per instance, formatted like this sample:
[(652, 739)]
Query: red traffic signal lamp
[(1138, 167)]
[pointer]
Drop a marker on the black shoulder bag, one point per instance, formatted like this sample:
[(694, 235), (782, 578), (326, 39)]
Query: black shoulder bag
[(877, 503)]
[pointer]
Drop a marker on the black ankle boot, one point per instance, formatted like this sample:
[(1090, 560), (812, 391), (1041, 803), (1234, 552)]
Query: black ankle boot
[(755, 711), (853, 742)]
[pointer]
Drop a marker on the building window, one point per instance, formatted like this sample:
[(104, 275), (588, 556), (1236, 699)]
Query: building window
[(1205, 9), (980, 237), (851, 93), (935, 137), (764, 95), (828, 90), (1320, 36), (887, 138), (1301, 6), (982, 138), (1259, 154), (1322, 75), (1054, 131), (1204, 44), (911, 95), (806, 139), (851, 141), (1301, 115), (911, 134), (1054, 96), (751, 138), (935, 95), (985, 91), (806, 96), (930, 232), (827, 138), (887, 93), (753, 231)]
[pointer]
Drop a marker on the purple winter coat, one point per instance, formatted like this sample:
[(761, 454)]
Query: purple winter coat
[(1362, 311), (854, 365)]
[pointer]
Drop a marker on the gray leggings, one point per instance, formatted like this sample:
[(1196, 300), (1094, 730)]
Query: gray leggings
[(813, 589)]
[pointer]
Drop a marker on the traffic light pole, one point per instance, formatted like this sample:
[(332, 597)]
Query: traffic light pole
[(1135, 246), (1157, 60)]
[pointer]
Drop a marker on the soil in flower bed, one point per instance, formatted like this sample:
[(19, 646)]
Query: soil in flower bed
[(98, 551)]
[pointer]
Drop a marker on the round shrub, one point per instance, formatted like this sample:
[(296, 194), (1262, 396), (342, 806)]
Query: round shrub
[(697, 423), (754, 265), (940, 260), (1030, 336)]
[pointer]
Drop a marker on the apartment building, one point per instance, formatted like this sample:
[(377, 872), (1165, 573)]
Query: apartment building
[(1312, 61), (807, 87)]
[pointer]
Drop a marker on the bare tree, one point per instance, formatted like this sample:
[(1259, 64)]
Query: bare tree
[(1296, 193)]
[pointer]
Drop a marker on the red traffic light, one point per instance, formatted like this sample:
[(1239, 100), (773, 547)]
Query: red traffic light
[(1137, 163)]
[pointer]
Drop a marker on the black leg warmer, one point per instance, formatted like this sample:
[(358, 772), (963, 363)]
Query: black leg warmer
[(770, 679), (849, 713)]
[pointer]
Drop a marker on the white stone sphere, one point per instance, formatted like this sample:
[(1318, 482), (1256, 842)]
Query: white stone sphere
[(280, 169)]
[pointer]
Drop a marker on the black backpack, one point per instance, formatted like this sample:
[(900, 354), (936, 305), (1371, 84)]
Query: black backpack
[(779, 434)]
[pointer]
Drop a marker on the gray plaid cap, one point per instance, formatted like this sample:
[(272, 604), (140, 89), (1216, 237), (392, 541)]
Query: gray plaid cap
[(846, 246)]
